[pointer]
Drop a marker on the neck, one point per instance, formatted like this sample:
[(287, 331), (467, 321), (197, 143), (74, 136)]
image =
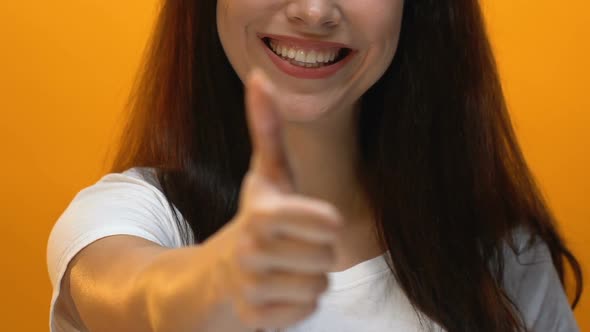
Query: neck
[(323, 156)]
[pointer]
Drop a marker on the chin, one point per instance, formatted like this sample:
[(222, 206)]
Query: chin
[(305, 112)]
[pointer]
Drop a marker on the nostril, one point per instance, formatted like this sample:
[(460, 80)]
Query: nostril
[(317, 21), (296, 19), (329, 24)]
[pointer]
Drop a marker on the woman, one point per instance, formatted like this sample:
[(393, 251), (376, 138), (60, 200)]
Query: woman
[(371, 181)]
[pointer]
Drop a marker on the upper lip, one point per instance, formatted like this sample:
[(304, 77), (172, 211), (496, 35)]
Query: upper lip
[(304, 43)]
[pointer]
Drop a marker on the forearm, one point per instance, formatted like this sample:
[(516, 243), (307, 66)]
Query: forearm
[(176, 298), (124, 283)]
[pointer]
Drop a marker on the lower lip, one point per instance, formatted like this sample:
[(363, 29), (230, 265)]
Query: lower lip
[(304, 72)]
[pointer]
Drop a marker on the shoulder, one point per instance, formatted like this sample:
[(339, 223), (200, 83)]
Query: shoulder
[(533, 284), (142, 179), (118, 199), (129, 203)]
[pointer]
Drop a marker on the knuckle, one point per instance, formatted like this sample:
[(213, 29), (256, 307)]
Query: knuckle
[(264, 313), (328, 208), (247, 315), (318, 204), (246, 246), (250, 292), (246, 255), (331, 213), (250, 226), (266, 208), (318, 209)]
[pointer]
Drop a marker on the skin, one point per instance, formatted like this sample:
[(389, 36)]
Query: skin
[(304, 141), (372, 27), (318, 116), (298, 215)]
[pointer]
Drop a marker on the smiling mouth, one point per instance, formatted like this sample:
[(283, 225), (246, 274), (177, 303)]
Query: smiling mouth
[(306, 58)]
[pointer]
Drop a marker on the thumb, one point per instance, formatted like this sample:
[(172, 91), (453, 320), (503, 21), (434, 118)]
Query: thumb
[(269, 158)]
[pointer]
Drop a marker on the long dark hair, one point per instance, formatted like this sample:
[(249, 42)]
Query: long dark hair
[(440, 161)]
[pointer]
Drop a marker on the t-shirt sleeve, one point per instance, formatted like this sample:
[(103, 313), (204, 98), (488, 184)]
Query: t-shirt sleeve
[(119, 203), (532, 282)]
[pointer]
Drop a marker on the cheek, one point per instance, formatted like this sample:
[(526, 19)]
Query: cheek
[(229, 21), (236, 19), (231, 29), (377, 26), (379, 22)]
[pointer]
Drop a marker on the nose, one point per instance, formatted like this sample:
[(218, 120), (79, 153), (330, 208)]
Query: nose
[(313, 15)]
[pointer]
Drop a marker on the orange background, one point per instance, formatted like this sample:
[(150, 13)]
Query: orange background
[(65, 71)]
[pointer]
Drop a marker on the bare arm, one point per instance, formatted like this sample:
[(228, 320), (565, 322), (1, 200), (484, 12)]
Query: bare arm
[(126, 283), (266, 267)]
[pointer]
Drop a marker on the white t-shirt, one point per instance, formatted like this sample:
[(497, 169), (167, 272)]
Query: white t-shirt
[(364, 297)]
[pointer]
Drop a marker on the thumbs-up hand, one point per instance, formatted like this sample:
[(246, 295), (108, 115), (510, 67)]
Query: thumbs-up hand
[(283, 243), (269, 158)]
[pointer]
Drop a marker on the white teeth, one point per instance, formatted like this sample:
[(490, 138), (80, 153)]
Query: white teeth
[(320, 57), (300, 56), (312, 57)]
